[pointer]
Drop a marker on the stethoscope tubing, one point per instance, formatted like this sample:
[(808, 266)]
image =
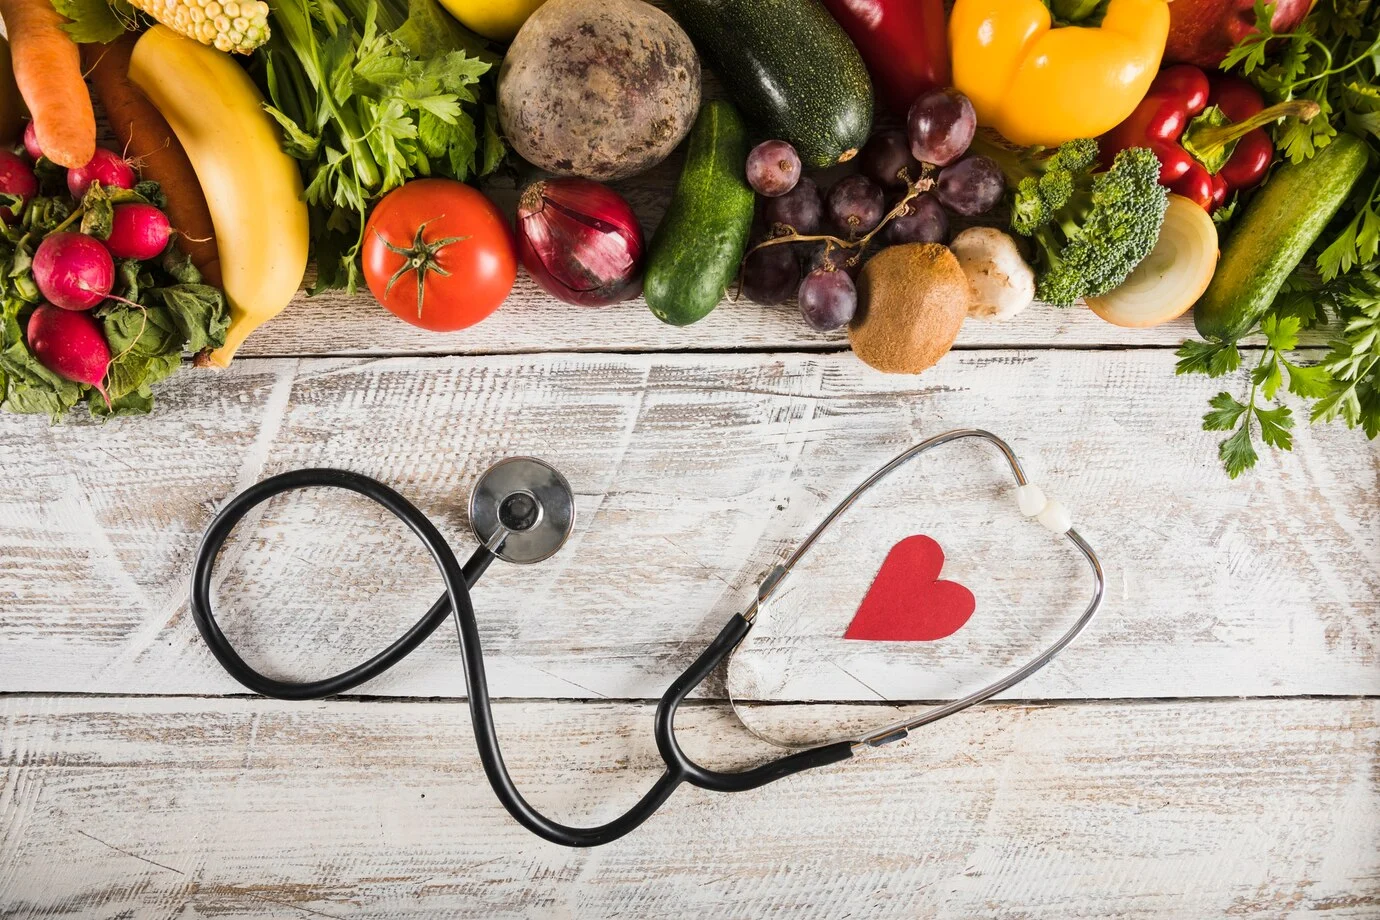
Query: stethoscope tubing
[(458, 580)]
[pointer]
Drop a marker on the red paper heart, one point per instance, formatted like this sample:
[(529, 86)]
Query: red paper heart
[(908, 602)]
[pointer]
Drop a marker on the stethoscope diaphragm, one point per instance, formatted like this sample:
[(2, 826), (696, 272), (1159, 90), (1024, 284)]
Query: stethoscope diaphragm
[(523, 509)]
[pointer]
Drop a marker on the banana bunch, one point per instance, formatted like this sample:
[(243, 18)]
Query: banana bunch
[(253, 190)]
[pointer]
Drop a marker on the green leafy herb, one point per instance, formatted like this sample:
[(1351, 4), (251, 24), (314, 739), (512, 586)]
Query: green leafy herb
[(1354, 363), (369, 95), (1262, 410)]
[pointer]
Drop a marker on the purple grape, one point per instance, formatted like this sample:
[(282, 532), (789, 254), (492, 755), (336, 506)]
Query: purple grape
[(923, 221), (971, 186), (773, 168), (828, 300), (886, 160), (833, 259), (856, 204), (771, 275), (800, 208), (941, 125)]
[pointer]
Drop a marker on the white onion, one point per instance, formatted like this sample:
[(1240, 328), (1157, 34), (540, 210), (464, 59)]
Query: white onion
[(1169, 280)]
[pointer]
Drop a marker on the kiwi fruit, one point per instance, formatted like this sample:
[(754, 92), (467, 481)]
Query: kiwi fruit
[(912, 300)]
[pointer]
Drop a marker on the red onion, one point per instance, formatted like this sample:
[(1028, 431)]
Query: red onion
[(580, 240)]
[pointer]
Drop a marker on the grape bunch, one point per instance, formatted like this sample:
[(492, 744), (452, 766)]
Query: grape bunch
[(863, 209)]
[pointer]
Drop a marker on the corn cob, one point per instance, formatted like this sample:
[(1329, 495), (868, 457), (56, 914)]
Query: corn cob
[(227, 25)]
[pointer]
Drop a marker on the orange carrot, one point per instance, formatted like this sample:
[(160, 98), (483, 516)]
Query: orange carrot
[(146, 138), (47, 68)]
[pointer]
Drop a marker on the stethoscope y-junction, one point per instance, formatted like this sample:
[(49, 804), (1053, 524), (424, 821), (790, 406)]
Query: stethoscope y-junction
[(522, 511)]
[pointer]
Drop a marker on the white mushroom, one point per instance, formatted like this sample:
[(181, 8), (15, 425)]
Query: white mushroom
[(1002, 283)]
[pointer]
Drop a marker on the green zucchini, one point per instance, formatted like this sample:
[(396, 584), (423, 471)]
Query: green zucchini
[(1280, 226), (696, 251), (791, 69)]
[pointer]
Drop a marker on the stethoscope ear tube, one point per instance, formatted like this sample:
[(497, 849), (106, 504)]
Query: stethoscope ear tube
[(1033, 504)]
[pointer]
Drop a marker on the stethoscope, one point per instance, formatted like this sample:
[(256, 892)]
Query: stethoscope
[(522, 511)]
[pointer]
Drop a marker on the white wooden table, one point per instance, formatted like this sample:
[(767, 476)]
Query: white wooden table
[(1208, 749)]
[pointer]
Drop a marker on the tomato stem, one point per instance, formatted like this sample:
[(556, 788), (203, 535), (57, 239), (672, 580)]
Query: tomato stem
[(420, 257)]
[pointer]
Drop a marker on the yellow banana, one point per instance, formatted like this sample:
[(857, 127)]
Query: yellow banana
[(252, 188)]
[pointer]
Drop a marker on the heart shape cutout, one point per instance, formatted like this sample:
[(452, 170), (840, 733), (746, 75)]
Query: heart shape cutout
[(908, 602)]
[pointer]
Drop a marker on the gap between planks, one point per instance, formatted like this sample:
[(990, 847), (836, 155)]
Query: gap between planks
[(707, 702), (802, 349)]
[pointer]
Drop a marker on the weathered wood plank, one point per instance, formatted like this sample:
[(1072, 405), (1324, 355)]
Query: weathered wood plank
[(694, 476), (238, 808)]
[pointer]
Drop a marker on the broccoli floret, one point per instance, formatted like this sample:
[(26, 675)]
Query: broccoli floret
[(1050, 183), (1091, 229)]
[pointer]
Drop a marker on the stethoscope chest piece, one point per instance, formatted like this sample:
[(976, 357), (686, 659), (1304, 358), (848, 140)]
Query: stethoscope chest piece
[(523, 509)]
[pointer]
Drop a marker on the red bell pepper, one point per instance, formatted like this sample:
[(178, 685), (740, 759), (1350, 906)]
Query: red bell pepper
[(1207, 132), (905, 44)]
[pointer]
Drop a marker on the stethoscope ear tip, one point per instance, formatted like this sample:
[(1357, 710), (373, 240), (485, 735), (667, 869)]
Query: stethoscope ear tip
[(523, 509)]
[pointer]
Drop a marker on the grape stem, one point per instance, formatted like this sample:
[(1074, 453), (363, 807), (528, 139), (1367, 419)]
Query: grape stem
[(913, 191)]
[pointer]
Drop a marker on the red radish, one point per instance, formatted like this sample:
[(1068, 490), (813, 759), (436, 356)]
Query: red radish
[(16, 178), (71, 345), (73, 271), (138, 231), (31, 141), (107, 168)]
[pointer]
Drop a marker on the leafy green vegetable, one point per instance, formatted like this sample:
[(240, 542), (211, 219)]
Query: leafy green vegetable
[(1333, 58), (169, 311), (1091, 229), (97, 21), (370, 94)]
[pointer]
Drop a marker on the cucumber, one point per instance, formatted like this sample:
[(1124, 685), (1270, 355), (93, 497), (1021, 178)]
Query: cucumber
[(1283, 222), (696, 251), (791, 69)]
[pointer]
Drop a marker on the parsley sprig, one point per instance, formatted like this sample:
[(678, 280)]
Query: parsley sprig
[(1333, 58), (1262, 410)]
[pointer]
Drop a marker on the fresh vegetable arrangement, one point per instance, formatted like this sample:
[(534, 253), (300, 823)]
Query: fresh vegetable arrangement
[(369, 95), (1304, 248), (96, 302), (1141, 157)]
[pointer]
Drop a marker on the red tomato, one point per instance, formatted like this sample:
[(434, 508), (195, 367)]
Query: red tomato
[(453, 239)]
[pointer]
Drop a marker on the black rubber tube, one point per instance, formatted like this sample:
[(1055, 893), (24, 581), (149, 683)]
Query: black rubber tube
[(458, 581)]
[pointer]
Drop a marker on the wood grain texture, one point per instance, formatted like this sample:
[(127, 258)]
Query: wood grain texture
[(238, 808), (694, 476)]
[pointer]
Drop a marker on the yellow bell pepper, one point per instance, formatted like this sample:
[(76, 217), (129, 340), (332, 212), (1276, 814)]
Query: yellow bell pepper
[(1037, 84)]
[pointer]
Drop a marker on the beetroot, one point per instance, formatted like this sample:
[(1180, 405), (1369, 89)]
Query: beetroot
[(73, 271), (138, 231), (31, 141), (16, 178), (71, 345), (107, 168)]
